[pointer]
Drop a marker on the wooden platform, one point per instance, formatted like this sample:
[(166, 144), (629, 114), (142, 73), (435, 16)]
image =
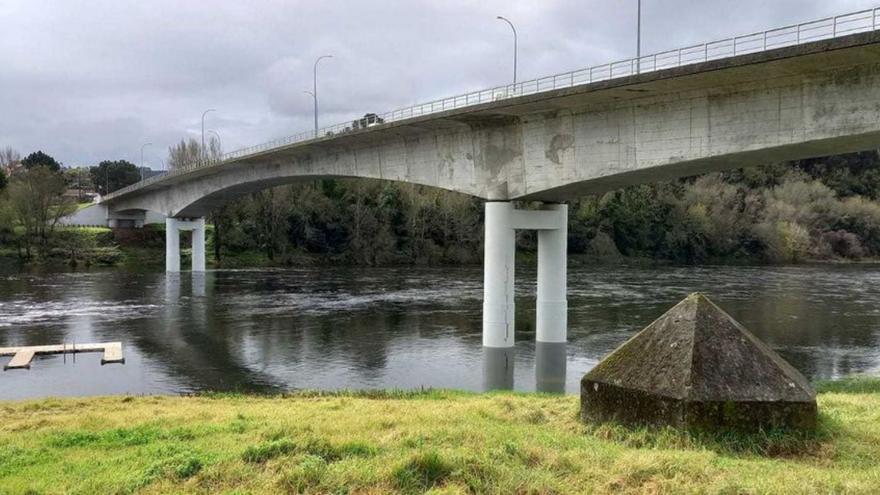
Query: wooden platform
[(22, 356)]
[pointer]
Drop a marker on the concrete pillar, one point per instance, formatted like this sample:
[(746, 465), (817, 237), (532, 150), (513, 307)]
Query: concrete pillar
[(552, 303), (498, 275), (172, 245), (198, 245)]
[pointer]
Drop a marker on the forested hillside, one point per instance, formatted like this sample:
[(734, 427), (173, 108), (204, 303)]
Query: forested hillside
[(818, 209)]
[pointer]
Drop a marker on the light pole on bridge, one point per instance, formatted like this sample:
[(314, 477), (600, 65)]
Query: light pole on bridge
[(315, 88), (639, 37), (502, 18), (203, 132)]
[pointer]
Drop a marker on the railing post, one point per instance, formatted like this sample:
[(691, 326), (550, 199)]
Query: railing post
[(734, 47), (798, 34), (834, 27), (706, 52), (765, 41)]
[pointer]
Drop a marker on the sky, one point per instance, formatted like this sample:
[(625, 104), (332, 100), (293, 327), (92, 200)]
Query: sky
[(92, 80)]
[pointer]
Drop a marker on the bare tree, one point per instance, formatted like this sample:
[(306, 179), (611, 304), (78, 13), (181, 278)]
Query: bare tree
[(189, 152), (38, 203), (9, 158)]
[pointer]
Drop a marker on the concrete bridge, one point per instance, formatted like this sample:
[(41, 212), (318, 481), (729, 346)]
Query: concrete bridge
[(795, 92)]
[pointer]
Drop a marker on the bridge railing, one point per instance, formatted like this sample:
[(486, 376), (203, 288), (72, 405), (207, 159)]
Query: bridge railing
[(795, 34)]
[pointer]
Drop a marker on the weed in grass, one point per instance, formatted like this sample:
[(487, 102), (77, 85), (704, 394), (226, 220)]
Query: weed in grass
[(422, 471), (307, 474), (14, 458), (68, 439), (267, 450), (179, 466)]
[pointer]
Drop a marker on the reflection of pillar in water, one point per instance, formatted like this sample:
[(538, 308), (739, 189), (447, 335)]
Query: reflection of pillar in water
[(172, 295), (172, 287), (550, 364), (198, 284), (498, 368)]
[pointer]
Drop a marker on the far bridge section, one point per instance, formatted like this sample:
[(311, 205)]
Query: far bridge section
[(791, 93)]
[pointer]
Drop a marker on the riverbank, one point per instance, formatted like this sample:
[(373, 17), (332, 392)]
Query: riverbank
[(450, 442), (87, 247)]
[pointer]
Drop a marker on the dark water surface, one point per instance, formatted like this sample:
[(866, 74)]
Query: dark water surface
[(329, 328)]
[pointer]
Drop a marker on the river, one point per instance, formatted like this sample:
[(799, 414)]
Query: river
[(365, 328)]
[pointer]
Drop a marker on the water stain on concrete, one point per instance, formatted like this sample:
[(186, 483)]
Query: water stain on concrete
[(559, 143)]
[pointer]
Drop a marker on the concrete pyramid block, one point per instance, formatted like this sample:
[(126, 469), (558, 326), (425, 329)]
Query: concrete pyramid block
[(696, 366)]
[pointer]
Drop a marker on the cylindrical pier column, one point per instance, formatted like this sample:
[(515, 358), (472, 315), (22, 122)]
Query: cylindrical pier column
[(552, 304), (498, 275), (172, 245), (198, 245)]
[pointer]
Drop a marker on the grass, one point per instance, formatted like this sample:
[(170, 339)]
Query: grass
[(417, 442)]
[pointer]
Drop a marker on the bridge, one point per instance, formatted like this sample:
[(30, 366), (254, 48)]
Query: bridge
[(800, 91)]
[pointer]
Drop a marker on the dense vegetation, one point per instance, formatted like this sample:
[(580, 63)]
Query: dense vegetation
[(819, 209), (440, 441)]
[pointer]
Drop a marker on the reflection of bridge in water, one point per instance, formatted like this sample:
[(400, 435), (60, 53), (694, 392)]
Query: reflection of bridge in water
[(796, 92)]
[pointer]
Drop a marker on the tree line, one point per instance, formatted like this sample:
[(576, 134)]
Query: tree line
[(817, 209)]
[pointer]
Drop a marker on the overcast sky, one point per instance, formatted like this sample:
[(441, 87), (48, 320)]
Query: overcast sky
[(89, 80)]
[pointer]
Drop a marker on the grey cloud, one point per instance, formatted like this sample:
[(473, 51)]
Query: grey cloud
[(92, 80)]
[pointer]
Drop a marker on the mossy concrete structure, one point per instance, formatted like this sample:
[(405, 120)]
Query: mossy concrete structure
[(813, 99), (697, 367)]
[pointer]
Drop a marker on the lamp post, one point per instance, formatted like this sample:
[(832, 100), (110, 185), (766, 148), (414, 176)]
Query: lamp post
[(203, 131), (502, 18), (639, 37), (142, 158), (315, 88)]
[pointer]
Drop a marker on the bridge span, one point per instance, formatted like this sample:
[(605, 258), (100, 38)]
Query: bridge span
[(592, 131)]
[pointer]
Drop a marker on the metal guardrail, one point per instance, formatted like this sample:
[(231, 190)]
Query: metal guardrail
[(795, 34)]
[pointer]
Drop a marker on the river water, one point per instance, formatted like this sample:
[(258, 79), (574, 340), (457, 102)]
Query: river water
[(331, 328)]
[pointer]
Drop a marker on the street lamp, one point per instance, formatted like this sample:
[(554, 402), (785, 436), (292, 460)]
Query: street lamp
[(639, 37), (315, 88), (502, 18), (142, 158), (203, 131)]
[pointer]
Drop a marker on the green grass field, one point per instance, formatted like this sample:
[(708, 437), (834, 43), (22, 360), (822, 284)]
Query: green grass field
[(439, 442)]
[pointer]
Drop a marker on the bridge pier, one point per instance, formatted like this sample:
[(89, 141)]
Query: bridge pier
[(173, 226), (502, 220)]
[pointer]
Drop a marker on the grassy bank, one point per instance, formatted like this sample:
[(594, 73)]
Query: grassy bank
[(445, 442)]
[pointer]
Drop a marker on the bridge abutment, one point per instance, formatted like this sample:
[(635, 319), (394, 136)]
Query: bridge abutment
[(173, 226), (502, 220)]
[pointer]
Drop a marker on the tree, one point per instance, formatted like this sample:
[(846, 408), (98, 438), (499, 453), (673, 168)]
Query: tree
[(38, 203), (9, 158), (80, 179), (111, 176), (3, 180), (40, 159), (189, 152)]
